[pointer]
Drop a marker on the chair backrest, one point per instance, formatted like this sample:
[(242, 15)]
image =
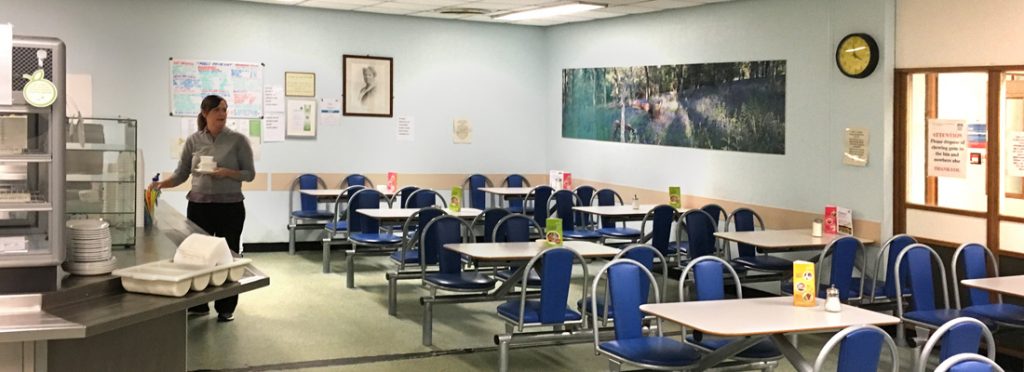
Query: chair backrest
[(586, 196), (489, 219), (364, 199), (717, 213), (709, 278), (410, 238), (607, 197), (564, 201), (403, 195), (919, 260), (968, 363), (540, 196), (556, 275), (307, 203), (425, 198), (659, 219), (960, 335), (342, 200), (977, 262), (624, 278), (644, 254), (891, 249), (513, 227), (471, 191), (438, 232), (860, 349), (843, 254), (356, 179), (700, 231), (744, 219), (515, 180)]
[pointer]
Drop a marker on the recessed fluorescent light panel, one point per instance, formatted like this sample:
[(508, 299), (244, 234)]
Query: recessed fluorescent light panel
[(549, 11)]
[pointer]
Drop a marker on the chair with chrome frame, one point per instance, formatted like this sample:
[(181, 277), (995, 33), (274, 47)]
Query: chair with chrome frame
[(515, 228), (449, 276), (968, 362), (744, 219), (680, 247), (402, 196), (337, 225), (364, 230), (957, 336), (472, 197), (659, 220), (309, 216), (919, 260), (860, 349), (538, 197), (564, 201), (642, 253), (586, 194), (550, 310), (488, 219), (408, 254), (355, 179), (700, 230), (625, 278), (515, 205), (709, 280), (978, 261), (423, 198), (842, 254), (886, 291), (608, 228)]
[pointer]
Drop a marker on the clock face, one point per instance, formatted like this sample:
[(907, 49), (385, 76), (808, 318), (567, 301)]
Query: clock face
[(857, 55)]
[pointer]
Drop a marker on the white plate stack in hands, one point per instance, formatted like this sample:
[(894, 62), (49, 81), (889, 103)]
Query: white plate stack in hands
[(89, 247)]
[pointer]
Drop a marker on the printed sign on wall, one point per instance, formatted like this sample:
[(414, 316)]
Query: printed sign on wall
[(947, 148)]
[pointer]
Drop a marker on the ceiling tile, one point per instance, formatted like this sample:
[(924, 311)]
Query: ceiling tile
[(629, 9), (434, 3), (667, 4), (403, 5), (517, 3), (490, 6), (361, 2), (595, 14), (332, 5), (382, 10), (434, 14)]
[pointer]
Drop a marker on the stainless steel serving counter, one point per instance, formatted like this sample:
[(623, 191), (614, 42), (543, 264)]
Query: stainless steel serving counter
[(91, 321)]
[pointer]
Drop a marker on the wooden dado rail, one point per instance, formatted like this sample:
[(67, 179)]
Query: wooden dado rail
[(775, 218)]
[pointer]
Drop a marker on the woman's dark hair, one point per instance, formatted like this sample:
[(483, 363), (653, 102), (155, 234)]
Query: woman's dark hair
[(209, 103)]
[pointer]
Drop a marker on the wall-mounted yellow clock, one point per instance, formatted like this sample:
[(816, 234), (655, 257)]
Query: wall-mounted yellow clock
[(857, 55)]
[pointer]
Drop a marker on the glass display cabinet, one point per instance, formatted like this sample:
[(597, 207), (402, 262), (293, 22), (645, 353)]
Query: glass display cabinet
[(100, 169)]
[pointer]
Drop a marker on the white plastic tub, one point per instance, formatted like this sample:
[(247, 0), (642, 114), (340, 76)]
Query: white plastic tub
[(167, 278)]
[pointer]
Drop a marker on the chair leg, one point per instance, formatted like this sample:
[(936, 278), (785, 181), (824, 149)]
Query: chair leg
[(503, 355), (291, 237), (558, 328), (794, 339), (428, 318), (327, 255), (509, 328), (392, 293), (614, 366), (350, 268)]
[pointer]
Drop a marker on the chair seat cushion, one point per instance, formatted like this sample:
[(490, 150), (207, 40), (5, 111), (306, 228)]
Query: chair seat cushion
[(461, 281), (581, 234), (337, 226), (939, 317), (600, 307), (411, 256), (619, 232), (531, 313), (532, 279), (1002, 313), (657, 351), (767, 263), (375, 238), (765, 349), (315, 215)]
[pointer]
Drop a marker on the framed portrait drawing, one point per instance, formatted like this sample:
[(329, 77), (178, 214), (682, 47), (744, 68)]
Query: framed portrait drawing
[(368, 86)]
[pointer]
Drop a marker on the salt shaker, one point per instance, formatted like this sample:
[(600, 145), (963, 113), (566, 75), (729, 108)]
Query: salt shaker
[(636, 202), (816, 228), (832, 303)]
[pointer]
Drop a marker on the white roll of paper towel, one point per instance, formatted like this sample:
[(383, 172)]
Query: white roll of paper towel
[(203, 250)]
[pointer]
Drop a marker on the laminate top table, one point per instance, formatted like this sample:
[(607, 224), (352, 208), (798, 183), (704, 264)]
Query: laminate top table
[(783, 239), (323, 193), (405, 213), (619, 210), (1010, 285), (507, 191), (526, 250)]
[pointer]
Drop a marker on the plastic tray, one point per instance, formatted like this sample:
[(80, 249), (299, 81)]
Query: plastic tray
[(166, 278)]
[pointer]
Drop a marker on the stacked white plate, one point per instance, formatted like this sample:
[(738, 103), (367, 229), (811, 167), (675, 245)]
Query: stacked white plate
[(89, 247)]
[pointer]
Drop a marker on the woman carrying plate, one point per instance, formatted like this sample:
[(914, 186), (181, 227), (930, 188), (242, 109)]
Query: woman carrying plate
[(215, 200)]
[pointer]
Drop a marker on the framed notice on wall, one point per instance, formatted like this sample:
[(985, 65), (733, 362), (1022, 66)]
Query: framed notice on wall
[(299, 84), (301, 118), (368, 86)]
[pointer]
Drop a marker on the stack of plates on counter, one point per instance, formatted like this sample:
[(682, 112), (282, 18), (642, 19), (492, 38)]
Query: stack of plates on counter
[(89, 247)]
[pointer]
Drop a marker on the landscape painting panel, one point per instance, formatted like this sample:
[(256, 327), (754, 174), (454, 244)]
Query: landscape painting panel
[(735, 106)]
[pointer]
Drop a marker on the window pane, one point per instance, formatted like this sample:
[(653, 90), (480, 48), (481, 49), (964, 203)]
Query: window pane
[(1012, 137)]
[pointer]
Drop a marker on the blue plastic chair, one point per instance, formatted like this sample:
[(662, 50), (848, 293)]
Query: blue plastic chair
[(842, 255), (309, 215), (402, 196), (968, 363), (515, 205), (423, 198), (489, 219), (709, 281), (337, 228), (449, 276), (681, 246), (642, 253), (608, 228), (978, 260), (656, 227), (700, 231), (860, 349), (514, 228), (355, 179), (408, 254), (960, 335), (630, 345), (886, 291), (551, 309), (538, 197), (586, 194), (744, 219), (364, 230), (472, 197), (564, 201), (919, 260)]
